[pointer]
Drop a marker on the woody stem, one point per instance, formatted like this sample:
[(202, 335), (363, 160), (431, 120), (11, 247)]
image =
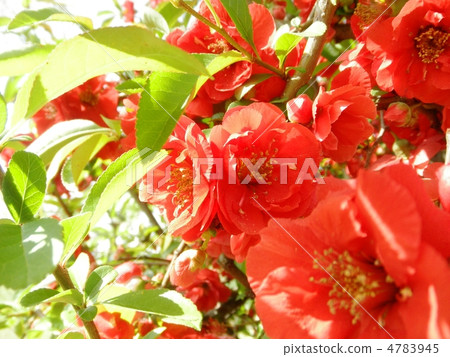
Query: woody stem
[(227, 37), (323, 11)]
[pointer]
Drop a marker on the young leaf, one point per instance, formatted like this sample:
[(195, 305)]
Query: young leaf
[(19, 62), (61, 134), (24, 186), (316, 29), (101, 51), (155, 21), (75, 229), (88, 314), (132, 86), (215, 63), (71, 335), (29, 17), (37, 296), (29, 252), (155, 333), (285, 44), (79, 271), (238, 11), (71, 296), (170, 304), (160, 107), (118, 178), (99, 278)]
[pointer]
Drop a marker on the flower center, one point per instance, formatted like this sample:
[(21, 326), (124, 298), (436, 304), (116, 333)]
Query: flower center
[(180, 183), (258, 164), (89, 98), (219, 46), (352, 282), (368, 13), (50, 111), (430, 42)]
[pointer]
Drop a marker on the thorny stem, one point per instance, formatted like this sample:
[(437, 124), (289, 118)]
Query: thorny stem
[(176, 253), (226, 36), (323, 11), (62, 277), (229, 266)]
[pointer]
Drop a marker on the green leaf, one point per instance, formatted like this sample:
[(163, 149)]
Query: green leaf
[(24, 186), (75, 229), (155, 21), (29, 17), (11, 88), (3, 113), (99, 278), (37, 296), (61, 134), (132, 86), (88, 314), (85, 153), (70, 296), (79, 271), (155, 333), (285, 44), (98, 52), (19, 62), (243, 90), (215, 63), (118, 178), (162, 302), (170, 13), (71, 335), (29, 252), (239, 13), (4, 20), (316, 29), (160, 107)]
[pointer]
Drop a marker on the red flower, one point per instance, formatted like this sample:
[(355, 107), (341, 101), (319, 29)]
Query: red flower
[(128, 121), (113, 326), (128, 11), (412, 51), (305, 7), (181, 185), (207, 290), (241, 243), (255, 143), (220, 244), (378, 245), (199, 39), (341, 120), (128, 271), (444, 186)]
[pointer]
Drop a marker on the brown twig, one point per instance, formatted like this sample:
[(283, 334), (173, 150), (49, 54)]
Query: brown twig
[(62, 277), (323, 11), (229, 266), (147, 212)]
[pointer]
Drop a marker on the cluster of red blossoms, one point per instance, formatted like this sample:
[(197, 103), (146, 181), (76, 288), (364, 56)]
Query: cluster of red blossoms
[(340, 207)]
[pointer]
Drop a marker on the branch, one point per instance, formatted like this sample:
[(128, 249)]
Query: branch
[(147, 211), (229, 266), (323, 11), (62, 277), (226, 36)]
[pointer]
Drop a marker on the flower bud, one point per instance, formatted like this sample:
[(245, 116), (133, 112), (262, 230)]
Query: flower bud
[(299, 109), (185, 266), (399, 114)]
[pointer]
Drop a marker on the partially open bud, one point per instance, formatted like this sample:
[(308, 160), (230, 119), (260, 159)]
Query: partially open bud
[(399, 114), (299, 109), (185, 266)]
